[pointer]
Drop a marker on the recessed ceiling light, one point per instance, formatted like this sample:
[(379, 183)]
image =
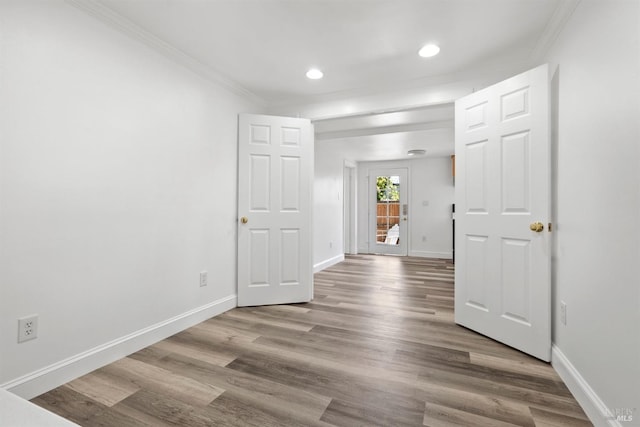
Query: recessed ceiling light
[(418, 152), (429, 50), (314, 74)]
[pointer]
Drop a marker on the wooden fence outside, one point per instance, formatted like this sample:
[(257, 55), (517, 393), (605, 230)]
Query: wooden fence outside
[(387, 215)]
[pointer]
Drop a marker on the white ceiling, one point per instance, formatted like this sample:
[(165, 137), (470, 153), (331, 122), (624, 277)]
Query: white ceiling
[(389, 135), (265, 48)]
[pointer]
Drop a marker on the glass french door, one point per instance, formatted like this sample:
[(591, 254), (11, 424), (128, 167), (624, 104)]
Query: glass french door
[(388, 211)]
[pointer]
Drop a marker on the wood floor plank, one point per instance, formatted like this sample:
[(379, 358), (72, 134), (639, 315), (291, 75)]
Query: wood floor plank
[(162, 381), (491, 375), (115, 418), (253, 388), (533, 367), (269, 318), (490, 407), (444, 416), (232, 410), (103, 388), (219, 346), (377, 346), (325, 381), (363, 413), (70, 404), (544, 418), (193, 349), (159, 409), (563, 404)]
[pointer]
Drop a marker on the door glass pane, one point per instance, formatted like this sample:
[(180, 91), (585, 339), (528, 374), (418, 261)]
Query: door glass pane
[(388, 210)]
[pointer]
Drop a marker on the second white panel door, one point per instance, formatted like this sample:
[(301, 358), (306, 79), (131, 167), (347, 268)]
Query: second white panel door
[(275, 176), (503, 259)]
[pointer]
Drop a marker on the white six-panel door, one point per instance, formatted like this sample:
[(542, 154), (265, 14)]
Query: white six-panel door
[(502, 278), (275, 176)]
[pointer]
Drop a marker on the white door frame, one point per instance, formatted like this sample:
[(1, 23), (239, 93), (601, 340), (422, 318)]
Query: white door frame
[(350, 209)]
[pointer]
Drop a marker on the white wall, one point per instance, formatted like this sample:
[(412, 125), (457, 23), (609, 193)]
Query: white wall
[(430, 181), (117, 187), (432, 193), (328, 191), (597, 256)]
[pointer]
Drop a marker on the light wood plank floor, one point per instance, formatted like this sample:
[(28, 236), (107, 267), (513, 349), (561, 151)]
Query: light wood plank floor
[(377, 346)]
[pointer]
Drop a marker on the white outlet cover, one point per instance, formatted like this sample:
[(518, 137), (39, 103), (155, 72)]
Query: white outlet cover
[(27, 328)]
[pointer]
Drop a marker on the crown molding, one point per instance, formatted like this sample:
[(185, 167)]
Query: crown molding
[(553, 29), (124, 25)]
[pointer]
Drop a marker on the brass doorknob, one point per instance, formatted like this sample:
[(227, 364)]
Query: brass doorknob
[(244, 220), (536, 226)]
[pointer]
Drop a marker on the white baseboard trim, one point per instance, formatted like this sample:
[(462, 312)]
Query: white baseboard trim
[(427, 254), (328, 263), (52, 376), (591, 403)]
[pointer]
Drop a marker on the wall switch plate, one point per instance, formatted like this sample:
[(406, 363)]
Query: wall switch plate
[(203, 278), (27, 328), (563, 312)]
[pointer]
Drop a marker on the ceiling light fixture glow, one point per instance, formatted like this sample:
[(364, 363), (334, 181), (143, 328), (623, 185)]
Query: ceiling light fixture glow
[(429, 50), (314, 74), (418, 152)]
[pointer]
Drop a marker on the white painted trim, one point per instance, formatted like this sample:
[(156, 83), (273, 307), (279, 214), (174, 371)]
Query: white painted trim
[(553, 29), (428, 254), (350, 164), (328, 263), (52, 376), (124, 25), (588, 399)]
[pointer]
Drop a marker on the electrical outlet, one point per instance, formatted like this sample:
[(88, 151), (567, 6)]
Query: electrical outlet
[(563, 312), (28, 328), (203, 278)]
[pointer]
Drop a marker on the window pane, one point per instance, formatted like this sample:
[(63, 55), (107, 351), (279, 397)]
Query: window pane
[(388, 210)]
